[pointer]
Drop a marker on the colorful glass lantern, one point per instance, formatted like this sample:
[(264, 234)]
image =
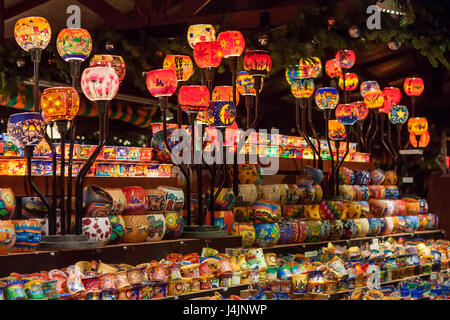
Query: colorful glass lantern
[(302, 88), (332, 68), (161, 82), (257, 62), (351, 82), (413, 86), (106, 60), (309, 67), (200, 33), (224, 93), (417, 125), (26, 129), (193, 99), (74, 44), (392, 95), (220, 114), (345, 58), (374, 99), (336, 130), (292, 73), (424, 139), (208, 54), (232, 43), (32, 33), (99, 83), (361, 110), (181, 65), (60, 103), (368, 86), (245, 84), (398, 114), (327, 98), (346, 114)]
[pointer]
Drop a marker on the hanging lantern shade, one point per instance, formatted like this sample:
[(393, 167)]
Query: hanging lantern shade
[(327, 98), (208, 54), (32, 33), (413, 86), (220, 114), (345, 58), (257, 62), (424, 139), (309, 67), (74, 44), (336, 130), (161, 82), (200, 33), (26, 129), (361, 110), (392, 95), (302, 88), (193, 98), (417, 125), (99, 83), (106, 60), (332, 68), (351, 82), (398, 114), (292, 73), (181, 65), (245, 84), (232, 43), (224, 93), (374, 99), (368, 86), (60, 103), (346, 114)]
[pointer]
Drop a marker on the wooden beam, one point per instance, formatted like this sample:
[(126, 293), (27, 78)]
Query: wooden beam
[(22, 7)]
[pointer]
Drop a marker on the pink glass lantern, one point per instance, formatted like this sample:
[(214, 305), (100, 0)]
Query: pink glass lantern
[(99, 83), (367, 86)]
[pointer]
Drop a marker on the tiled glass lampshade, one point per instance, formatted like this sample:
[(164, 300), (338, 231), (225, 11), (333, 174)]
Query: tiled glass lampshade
[(257, 62), (32, 33), (232, 43), (208, 54), (368, 86), (332, 68), (346, 114), (161, 82), (345, 58), (398, 114), (74, 44), (327, 98), (361, 110), (413, 86), (193, 99), (292, 73), (336, 130), (245, 84), (309, 67), (200, 33), (424, 139), (302, 88), (392, 95), (181, 65), (374, 99), (351, 82), (224, 93), (99, 83), (26, 129), (417, 125), (105, 60), (220, 114), (60, 103)]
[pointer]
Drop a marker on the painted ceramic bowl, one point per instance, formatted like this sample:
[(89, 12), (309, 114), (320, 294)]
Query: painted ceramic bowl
[(377, 176), (136, 228), (224, 201), (156, 227), (388, 225), (353, 209), (7, 237), (136, 200), (390, 178), (306, 194), (96, 202), (286, 232), (346, 176), (396, 223), (247, 193), (362, 177), (314, 230), (400, 208), (266, 212), (363, 227), (411, 223), (223, 219), (365, 209), (293, 211), (267, 234), (293, 195), (374, 227), (246, 231), (117, 229), (44, 225), (312, 211), (423, 204), (174, 198), (28, 235), (271, 192), (412, 206), (242, 214), (119, 200), (377, 191), (347, 192), (326, 230), (174, 225), (156, 200), (284, 191), (432, 221), (300, 230), (330, 210), (7, 203), (423, 221), (316, 174), (349, 229), (401, 224), (378, 208), (365, 193), (391, 192), (247, 174), (318, 193), (97, 229), (33, 207)]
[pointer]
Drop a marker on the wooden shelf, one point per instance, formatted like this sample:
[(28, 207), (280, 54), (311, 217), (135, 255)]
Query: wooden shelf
[(202, 293)]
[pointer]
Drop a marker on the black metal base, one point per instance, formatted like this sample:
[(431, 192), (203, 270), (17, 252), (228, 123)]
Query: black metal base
[(70, 241), (203, 232)]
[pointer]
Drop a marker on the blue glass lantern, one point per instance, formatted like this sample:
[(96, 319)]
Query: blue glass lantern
[(220, 113), (327, 98), (26, 129), (398, 114)]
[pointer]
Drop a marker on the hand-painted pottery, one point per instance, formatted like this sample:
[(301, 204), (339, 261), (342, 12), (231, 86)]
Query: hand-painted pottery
[(174, 198), (284, 191), (247, 193), (377, 176), (97, 229), (223, 219), (411, 223), (136, 200), (390, 178), (330, 210), (266, 212), (160, 150), (242, 214), (225, 200), (96, 202), (365, 209), (28, 235), (247, 174), (374, 227), (423, 206), (396, 223), (377, 191), (286, 232), (174, 225), (346, 176), (412, 206), (15, 290), (272, 192), (306, 194), (156, 200), (293, 211), (326, 230), (136, 228), (349, 229), (362, 177), (267, 235), (318, 193), (347, 192), (391, 192), (119, 200), (305, 176), (383, 226), (312, 211), (293, 194), (246, 231), (7, 236), (432, 221), (300, 230), (33, 207), (316, 174), (156, 227), (423, 221), (365, 227), (378, 208), (389, 225), (7, 203), (401, 224), (365, 193), (353, 209), (314, 230), (259, 192), (400, 208), (44, 225)]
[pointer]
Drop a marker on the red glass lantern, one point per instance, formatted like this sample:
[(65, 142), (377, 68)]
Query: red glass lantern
[(257, 62), (193, 98), (351, 81), (232, 43), (208, 54), (361, 110), (424, 139), (181, 65), (161, 82), (392, 95), (332, 69), (374, 99), (345, 58), (346, 114), (224, 93), (309, 67), (413, 86)]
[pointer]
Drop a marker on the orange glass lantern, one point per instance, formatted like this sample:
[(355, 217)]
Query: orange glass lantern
[(392, 95), (106, 60), (60, 103), (32, 33), (413, 86), (208, 54), (345, 58), (245, 84), (361, 110), (351, 82), (309, 67), (200, 33), (374, 99), (424, 139), (74, 44), (257, 62), (224, 93), (161, 82), (193, 99), (232, 43), (302, 88), (181, 65), (332, 68), (367, 86), (346, 114), (417, 125), (336, 130)]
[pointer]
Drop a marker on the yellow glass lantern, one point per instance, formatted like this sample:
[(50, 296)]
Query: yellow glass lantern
[(200, 33), (106, 60), (309, 67), (417, 125), (351, 81), (302, 88), (336, 130), (74, 44), (424, 139), (60, 103), (32, 33), (224, 93), (374, 99), (181, 65)]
